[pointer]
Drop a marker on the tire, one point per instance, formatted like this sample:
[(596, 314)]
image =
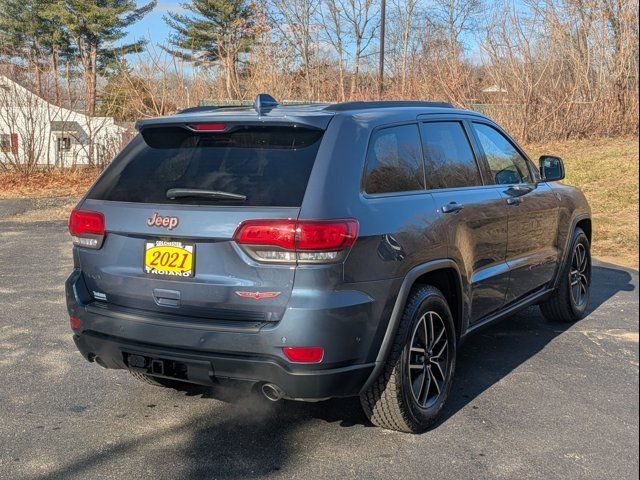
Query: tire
[(167, 382), (564, 305), (397, 399)]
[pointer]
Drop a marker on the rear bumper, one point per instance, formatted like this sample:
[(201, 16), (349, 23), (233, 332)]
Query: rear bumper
[(209, 368), (207, 352)]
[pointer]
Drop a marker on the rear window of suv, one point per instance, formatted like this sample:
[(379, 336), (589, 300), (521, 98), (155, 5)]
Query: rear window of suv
[(394, 161), (270, 165)]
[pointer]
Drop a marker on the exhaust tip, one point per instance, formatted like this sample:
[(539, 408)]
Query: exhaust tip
[(272, 392)]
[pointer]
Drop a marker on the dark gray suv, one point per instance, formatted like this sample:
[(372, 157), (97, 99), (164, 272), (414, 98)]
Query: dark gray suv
[(318, 251)]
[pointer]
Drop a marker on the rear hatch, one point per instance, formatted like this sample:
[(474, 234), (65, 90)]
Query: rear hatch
[(171, 203)]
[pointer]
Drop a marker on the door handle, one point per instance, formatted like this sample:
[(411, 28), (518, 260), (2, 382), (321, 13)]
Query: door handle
[(513, 201), (452, 207)]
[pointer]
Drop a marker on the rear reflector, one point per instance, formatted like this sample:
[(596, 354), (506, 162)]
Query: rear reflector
[(304, 354), (75, 322), (208, 127), (297, 240), (86, 228)]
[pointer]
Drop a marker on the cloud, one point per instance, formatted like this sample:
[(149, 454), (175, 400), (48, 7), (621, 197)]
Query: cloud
[(169, 7)]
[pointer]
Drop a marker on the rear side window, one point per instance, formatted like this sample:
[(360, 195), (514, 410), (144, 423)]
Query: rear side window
[(448, 157), (506, 164), (394, 161), (269, 165)]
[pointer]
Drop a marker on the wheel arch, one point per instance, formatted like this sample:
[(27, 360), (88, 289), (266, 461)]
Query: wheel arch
[(585, 225), (447, 280), (443, 274), (582, 221)]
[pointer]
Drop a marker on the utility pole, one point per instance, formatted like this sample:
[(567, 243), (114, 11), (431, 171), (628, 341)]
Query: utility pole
[(383, 14)]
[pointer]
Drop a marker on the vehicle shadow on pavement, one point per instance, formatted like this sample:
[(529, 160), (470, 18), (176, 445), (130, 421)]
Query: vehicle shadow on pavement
[(490, 355), (239, 440), (607, 281), (252, 437)]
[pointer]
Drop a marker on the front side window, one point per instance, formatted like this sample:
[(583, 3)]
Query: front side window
[(394, 161), (448, 157), (507, 165)]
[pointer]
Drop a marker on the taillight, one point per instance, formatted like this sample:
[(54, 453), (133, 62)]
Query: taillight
[(278, 233), (304, 241), (304, 354), (86, 228), (208, 127)]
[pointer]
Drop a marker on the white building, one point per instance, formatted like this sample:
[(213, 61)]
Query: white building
[(35, 131)]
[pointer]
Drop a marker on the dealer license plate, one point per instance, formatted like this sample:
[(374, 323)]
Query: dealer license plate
[(169, 258)]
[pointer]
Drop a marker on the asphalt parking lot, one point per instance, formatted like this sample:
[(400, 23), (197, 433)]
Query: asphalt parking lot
[(530, 400)]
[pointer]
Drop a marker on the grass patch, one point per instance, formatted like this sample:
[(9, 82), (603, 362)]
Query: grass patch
[(59, 183), (606, 169)]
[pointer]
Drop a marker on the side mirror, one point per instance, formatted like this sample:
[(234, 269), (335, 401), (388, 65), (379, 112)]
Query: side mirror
[(551, 168)]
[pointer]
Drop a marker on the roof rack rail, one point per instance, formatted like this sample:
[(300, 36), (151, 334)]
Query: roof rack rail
[(201, 108), (210, 108), (346, 106)]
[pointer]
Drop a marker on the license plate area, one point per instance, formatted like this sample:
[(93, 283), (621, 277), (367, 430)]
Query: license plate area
[(169, 258)]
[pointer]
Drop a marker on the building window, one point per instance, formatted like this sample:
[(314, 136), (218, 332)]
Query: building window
[(64, 144), (9, 142)]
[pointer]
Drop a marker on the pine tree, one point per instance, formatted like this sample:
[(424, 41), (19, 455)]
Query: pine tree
[(31, 33), (94, 26), (215, 32)]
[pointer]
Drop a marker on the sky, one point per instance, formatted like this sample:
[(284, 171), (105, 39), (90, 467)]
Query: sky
[(152, 27)]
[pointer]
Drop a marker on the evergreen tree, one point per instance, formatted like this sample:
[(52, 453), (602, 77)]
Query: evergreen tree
[(30, 32), (94, 26), (215, 32), (39, 32)]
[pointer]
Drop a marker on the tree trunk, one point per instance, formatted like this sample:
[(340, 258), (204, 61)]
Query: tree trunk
[(235, 79), (227, 77), (356, 69), (54, 67), (341, 76), (92, 79)]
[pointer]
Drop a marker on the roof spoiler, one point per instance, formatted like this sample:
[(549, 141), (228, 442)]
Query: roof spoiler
[(262, 104)]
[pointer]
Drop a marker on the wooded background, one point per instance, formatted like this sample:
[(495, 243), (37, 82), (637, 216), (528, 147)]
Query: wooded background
[(544, 69)]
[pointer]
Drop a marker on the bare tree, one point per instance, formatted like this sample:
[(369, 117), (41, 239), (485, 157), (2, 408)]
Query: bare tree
[(457, 17), (333, 23), (363, 22), (402, 31), (295, 21)]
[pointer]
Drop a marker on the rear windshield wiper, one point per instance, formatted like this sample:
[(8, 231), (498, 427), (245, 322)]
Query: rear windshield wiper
[(174, 193)]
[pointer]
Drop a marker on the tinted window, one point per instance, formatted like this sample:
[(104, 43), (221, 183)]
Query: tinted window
[(506, 164), (270, 165), (394, 161), (449, 160)]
